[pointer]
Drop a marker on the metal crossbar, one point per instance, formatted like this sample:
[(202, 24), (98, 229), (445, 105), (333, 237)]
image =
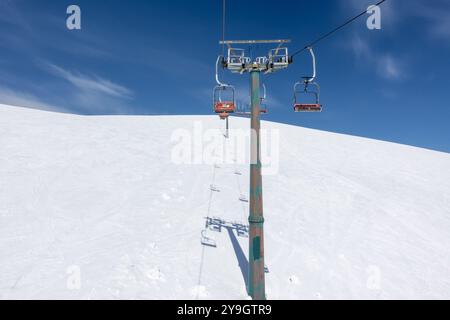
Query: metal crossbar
[(228, 42)]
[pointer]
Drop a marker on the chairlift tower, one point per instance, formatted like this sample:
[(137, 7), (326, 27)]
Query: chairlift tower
[(237, 62)]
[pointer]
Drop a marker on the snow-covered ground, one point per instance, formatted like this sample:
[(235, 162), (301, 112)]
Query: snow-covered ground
[(95, 208)]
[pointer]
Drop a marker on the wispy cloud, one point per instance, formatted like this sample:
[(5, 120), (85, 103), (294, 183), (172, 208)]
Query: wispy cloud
[(19, 98), (389, 67), (437, 15), (10, 14), (90, 84), (369, 54), (360, 46), (18, 25), (79, 93)]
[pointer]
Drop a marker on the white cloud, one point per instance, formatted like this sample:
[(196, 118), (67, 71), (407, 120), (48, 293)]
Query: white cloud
[(91, 84)]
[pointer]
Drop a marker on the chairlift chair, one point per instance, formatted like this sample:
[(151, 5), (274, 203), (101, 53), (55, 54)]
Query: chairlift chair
[(263, 105), (243, 109), (223, 106), (309, 88), (246, 111), (313, 106)]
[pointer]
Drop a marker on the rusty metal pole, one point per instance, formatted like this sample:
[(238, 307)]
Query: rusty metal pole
[(256, 285)]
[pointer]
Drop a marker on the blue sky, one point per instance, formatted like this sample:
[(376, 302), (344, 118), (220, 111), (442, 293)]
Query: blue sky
[(157, 57)]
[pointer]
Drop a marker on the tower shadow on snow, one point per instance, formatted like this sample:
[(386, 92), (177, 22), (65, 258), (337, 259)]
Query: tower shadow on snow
[(240, 255), (217, 225)]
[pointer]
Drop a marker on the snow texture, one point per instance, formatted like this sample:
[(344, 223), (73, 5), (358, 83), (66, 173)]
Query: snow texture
[(94, 208)]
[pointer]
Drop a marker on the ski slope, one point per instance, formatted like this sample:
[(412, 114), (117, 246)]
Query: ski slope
[(95, 208)]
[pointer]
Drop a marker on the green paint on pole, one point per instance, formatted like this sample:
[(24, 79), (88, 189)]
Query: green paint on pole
[(257, 248)]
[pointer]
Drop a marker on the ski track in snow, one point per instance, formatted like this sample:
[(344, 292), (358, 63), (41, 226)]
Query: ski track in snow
[(346, 217)]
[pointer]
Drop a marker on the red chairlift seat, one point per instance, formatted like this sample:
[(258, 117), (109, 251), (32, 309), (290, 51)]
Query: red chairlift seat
[(225, 107), (307, 107)]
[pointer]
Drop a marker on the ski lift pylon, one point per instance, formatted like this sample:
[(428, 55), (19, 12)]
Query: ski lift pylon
[(306, 84)]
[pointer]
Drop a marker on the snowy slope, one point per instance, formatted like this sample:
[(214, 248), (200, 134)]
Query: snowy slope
[(346, 217)]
